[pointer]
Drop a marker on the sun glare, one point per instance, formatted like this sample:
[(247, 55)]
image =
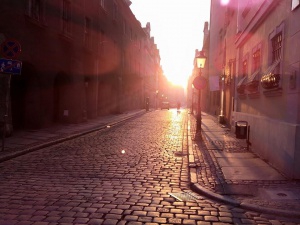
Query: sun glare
[(177, 39), (224, 2)]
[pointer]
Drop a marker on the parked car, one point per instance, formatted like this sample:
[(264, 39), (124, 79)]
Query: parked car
[(165, 105)]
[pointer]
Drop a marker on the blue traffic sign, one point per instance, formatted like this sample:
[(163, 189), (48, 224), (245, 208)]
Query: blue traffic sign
[(10, 66)]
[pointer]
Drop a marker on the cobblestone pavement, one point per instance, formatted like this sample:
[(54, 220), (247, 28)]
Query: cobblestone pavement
[(122, 175)]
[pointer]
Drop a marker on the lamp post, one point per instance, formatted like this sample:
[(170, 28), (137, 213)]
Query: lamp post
[(199, 83)]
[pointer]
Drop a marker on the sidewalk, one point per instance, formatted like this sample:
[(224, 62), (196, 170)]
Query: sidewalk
[(222, 168), (24, 141)]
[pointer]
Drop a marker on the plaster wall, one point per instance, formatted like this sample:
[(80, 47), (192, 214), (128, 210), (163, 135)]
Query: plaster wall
[(275, 141)]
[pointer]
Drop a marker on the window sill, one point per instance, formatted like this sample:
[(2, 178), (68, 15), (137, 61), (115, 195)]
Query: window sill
[(242, 96), (66, 36), (103, 10), (254, 95), (273, 93), (38, 23)]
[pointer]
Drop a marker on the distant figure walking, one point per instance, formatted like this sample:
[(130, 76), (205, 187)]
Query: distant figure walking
[(178, 106), (147, 104)]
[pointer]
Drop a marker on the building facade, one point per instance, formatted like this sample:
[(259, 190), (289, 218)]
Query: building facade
[(81, 59), (259, 65)]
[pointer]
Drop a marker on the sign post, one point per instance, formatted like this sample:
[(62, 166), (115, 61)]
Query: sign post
[(199, 83), (10, 49)]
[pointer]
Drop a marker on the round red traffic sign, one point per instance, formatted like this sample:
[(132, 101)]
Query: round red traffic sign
[(10, 49), (199, 83)]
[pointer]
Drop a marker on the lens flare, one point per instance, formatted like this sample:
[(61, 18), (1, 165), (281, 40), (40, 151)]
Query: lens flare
[(224, 2)]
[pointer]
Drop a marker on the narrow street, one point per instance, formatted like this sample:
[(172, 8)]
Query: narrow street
[(121, 175)]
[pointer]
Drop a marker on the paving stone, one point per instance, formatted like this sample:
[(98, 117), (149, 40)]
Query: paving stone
[(131, 218), (175, 221), (187, 221), (81, 220), (160, 220), (110, 222), (211, 218), (96, 221)]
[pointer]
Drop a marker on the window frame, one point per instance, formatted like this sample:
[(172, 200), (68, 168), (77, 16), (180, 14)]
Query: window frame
[(115, 11), (66, 17), (102, 4), (87, 32), (245, 66), (276, 43), (257, 61), (271, 81), (40, 18)]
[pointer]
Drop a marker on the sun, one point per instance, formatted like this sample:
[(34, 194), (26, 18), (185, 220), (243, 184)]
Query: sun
[(177, 73)]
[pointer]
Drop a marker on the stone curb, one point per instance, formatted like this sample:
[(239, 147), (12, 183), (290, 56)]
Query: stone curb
[(203, 191), (69, 137)]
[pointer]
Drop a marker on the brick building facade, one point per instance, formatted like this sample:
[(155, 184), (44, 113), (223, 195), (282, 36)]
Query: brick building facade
[(81, 59)]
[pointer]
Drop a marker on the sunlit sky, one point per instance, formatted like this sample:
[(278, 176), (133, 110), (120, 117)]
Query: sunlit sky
[(177, 28)]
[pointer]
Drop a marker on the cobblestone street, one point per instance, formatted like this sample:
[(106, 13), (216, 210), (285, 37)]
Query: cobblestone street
[(121, 175)]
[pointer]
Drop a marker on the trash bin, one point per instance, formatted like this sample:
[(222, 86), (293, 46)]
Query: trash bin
[(241, 129)]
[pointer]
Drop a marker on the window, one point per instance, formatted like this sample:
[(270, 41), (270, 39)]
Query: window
[(241, 85), (87, 32), (245, 68), (102, 4), (124, 26), (276, 47), (101, 42), (271, 80), (123, 59), (256, 59), (35, 9), (115, 11), (66, 17), (246, 8)]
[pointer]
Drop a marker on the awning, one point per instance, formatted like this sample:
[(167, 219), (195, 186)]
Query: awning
[(241, 85), (272, 67), (252, 84), (242, 81), (253, 77)]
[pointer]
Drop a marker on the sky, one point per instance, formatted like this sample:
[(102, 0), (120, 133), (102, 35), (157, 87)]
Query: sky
[(177, 28)]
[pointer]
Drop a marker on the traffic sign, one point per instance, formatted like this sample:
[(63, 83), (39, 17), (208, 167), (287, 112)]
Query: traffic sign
[(10, 49), (199, 83), (10, 66)]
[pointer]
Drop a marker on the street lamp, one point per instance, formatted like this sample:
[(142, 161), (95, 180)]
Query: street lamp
[(199, 83)]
